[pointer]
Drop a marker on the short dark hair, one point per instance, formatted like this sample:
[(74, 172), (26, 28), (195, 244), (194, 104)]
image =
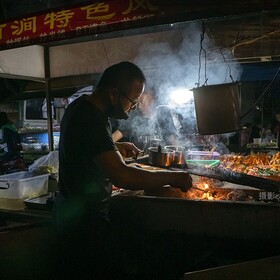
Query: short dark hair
[(121, 75)]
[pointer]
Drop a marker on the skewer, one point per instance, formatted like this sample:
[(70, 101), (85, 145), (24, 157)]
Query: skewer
[(199, 189)]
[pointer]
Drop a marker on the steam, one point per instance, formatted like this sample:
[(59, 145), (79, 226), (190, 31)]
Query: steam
[(168, 68)]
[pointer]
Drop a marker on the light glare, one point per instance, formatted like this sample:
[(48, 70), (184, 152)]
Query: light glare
[(181, 96)]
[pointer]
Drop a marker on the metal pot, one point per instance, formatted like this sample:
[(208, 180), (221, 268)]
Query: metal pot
[(217, 108), (179, 154), (161, 157)]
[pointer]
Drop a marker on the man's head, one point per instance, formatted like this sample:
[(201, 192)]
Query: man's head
[(122, 85)]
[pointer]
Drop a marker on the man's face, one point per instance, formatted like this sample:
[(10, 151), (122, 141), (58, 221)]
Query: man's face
[(125, 102), (130, 99)]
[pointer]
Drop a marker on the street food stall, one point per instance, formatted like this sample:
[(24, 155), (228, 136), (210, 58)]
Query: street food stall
[(221, 220), (227, 217)]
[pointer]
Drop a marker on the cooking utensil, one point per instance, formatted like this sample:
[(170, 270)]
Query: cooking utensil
[(159, 156), (212, 117), (139, 159), (179, 154), (199, 189)]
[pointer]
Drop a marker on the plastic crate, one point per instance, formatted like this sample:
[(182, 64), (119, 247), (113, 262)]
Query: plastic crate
[(21, 185)]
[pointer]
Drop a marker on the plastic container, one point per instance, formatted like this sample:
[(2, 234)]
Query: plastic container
[(202, 158), (203, 163), (202, 155), (21, 185)]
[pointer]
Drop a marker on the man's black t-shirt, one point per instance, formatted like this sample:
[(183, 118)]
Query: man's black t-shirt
[(85, 133), (86, 240)]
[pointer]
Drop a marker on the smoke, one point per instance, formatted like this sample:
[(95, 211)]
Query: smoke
[(190, 64), (167, 67)]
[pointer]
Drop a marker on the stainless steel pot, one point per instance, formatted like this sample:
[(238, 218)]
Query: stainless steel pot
[(217, 108), (161, 157), (179, 154)]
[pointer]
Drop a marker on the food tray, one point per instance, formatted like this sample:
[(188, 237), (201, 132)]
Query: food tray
[(22, 185)]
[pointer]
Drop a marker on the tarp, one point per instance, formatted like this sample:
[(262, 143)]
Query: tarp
[(262, 71)]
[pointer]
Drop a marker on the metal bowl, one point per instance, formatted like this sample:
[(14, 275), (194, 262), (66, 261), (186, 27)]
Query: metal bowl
[(161, 157)]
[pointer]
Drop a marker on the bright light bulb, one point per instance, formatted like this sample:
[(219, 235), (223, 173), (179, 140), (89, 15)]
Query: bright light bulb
[(181, 96)]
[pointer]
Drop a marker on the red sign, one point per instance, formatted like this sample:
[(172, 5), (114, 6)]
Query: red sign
[(97, 17), (74, 22)]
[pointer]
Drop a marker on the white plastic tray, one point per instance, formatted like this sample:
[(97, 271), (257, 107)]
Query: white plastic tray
[(21, 185)]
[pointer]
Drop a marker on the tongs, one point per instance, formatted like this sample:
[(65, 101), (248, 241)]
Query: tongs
[(139, 156)]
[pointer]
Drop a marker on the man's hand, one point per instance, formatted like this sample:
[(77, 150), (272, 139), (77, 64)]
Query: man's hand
[(128, 149), (183, 181), (188, 183)]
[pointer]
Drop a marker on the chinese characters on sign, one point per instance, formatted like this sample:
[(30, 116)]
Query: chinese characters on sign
[(79, 21), (269, 196), (21, 26), (59, 19)]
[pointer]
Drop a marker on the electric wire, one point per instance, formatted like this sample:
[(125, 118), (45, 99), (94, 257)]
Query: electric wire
[(263, 94)]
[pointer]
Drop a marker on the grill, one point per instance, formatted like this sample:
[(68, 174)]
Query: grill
[(250, 209), (238, 178), (197, 230)]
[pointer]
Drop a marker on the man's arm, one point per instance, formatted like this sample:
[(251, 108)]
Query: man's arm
[(117, 135), (134, 178)]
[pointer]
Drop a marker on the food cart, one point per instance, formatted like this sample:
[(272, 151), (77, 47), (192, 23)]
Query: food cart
[(198, 233)]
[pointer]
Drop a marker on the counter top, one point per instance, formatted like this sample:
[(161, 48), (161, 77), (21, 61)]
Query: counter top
[(18, 220), (37, 130), (262, 147)]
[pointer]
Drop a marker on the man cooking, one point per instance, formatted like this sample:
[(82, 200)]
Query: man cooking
[(150, 125), (89, 163)]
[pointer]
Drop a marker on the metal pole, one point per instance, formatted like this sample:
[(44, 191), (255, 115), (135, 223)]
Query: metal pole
[(48, 98)]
